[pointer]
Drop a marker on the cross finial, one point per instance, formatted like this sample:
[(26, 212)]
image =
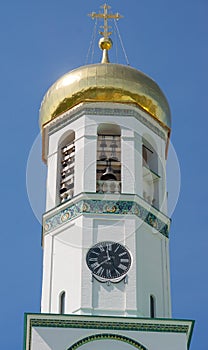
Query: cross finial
[(105, 16), (105, 42)]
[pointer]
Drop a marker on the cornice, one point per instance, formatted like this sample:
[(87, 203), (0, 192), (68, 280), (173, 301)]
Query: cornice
[(110, 109)]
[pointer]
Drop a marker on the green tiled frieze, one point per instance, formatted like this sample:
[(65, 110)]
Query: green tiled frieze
[(91, 206)]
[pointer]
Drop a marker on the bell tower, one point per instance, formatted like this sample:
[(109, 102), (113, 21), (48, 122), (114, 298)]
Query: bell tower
[(105, 237)]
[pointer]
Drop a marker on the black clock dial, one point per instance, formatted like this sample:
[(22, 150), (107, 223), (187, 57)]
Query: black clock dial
[(108, 261)]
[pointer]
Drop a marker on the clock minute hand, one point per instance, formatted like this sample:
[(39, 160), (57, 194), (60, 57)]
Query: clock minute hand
[(104, 261), (99, 264)]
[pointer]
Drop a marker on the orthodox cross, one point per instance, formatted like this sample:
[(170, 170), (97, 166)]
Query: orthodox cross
[(106, 16)]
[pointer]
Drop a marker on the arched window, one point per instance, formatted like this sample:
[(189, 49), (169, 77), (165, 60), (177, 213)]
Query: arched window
[(152, 306), (62, 302), (66, 160), (109, 158), (150, 173)]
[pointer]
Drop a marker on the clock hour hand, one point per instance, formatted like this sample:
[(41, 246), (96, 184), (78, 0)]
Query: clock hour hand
[(108, 256)]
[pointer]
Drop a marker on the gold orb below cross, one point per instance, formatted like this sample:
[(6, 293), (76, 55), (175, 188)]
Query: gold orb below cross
[(105, 43)]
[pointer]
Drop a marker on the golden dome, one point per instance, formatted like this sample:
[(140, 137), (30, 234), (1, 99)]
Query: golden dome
[(105, 83)]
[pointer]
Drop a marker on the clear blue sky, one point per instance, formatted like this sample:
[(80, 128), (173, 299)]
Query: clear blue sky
[(40, 41)]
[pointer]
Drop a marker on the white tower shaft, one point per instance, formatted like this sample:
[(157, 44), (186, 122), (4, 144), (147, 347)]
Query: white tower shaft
[(119, 211)]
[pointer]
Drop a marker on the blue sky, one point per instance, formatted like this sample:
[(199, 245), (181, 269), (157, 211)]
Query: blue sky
[(40, 41)]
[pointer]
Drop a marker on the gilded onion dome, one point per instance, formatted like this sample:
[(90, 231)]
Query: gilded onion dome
[(105, 82)]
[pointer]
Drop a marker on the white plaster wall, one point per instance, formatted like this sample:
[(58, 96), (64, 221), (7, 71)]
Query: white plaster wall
[(47, 277), (63, 268), (152, 271), (51, 183), (163, 180), (128, 161), (85, 164), (138, 164)]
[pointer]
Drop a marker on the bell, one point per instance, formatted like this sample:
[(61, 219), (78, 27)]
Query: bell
[(108, 174), (103, 144), (66, 157), (113, 158), (102, 156), (63, 189)]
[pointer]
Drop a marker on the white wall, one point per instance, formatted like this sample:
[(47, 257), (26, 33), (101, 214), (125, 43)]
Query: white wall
[(65, 268)]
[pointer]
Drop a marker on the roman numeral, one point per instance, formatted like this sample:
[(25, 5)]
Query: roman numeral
[(116, 249), (101, 248), (108, 273), (93, 259), (124, 260), (108, 247), (95, 252), (95, 265), (100, 271), (122, 267), (121, 254)]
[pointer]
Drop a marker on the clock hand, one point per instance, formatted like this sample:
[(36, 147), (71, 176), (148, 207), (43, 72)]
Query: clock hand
[(108, 256), (103, 262)]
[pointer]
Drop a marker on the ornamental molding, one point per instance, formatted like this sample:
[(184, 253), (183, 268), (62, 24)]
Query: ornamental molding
[(107, 336), (100, 207), (82, 110), (110, 324)]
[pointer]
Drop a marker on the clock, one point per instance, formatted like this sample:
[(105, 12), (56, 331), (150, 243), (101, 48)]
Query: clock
[(108, 261)]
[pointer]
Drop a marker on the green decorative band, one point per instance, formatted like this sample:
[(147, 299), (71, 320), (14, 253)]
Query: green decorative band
[(104, 336), (131, 326), (91, 206)]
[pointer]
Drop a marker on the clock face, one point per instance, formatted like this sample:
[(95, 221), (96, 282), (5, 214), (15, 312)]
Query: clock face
[(108, 261)]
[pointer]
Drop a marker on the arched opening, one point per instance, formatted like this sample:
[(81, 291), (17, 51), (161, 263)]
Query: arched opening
[(66, 168), (62, 302), (150, 173), (108, 158), (152, 306)]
